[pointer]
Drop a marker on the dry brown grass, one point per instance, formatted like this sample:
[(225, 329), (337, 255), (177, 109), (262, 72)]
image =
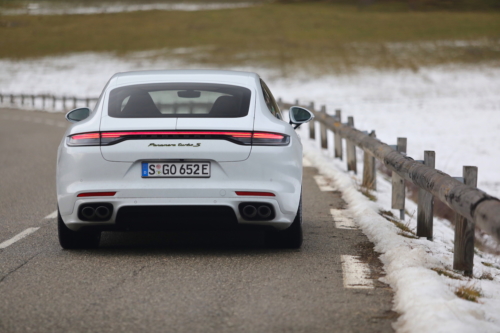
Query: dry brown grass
[(318, 37), (469, 293), (405, 230), (446, 273)]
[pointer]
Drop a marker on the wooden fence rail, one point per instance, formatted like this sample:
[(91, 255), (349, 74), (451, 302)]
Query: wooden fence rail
[(45, 102), (473, 206)]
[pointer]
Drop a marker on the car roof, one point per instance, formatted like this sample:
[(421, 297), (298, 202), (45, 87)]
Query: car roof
[(187, 75)]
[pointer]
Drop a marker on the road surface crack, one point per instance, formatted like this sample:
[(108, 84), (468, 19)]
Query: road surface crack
[(18, 267)]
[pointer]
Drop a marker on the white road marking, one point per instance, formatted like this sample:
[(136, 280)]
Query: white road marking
[(52, 215), (355, 273), (306, 162), (342, 221), (18, 237), (323, 184)]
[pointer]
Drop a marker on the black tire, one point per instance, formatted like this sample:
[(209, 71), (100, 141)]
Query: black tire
[(70, 239), (290, 238)]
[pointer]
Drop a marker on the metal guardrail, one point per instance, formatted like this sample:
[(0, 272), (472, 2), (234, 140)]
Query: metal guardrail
[(472, 206)]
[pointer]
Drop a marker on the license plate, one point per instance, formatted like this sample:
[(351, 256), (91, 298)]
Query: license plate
[(176, 169)]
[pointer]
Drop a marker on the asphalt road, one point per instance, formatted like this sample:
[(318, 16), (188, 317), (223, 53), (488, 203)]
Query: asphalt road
[(169, 282)]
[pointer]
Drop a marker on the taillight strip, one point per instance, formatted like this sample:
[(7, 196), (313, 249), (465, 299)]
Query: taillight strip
[(242, 138)]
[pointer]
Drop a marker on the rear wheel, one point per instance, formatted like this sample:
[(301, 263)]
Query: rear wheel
[(70, 239), (290, 238)]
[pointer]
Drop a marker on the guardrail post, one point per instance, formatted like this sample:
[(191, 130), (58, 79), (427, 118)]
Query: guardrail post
[(296, 103), (322, 130), (425, 217), (43, 102), (11, 99), (369, 170), (22, 99), (64, 103), (1, 98), (33, 101), (312, 132), (351, 150), (87, 103), (74, 102), (53, 102), (337, 137), (398, 184), (463, 257)]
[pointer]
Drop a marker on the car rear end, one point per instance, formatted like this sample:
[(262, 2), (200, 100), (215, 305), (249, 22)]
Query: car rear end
[(175, 150)]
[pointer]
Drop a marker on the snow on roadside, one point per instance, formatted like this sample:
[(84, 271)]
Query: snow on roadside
[(108, 8), (454, 111), (425, 300)]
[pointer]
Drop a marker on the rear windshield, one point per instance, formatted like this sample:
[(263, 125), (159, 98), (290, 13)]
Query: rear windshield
[(179, 100)]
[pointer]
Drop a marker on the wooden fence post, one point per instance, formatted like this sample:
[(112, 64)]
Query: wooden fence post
[(43, 102), (398, 184), (1, 98), (11, 99), (64, 103), (322, 131), (351, 150), (53, 102), (87, 102), (425, 211), (369, 169), (337, 137), (22, 99), (463, 257), (312, 132), (74, 102), (33, 101)]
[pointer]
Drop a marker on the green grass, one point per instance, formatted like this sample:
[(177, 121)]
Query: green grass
[(320, 35)]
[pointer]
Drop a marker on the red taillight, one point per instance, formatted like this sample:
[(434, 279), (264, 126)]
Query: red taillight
[(85, 139), (97, 194), (255, 194), (270, 139), (242, 138)]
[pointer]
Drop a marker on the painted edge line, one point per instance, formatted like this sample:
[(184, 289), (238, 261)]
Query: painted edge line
[(355, 273), (342, 221), (52, 215), (18, 237)]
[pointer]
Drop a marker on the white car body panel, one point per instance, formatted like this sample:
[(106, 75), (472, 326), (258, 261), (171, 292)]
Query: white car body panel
[(234, 167)]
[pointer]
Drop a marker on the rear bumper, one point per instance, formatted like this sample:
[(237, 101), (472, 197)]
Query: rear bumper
[(125, 217), (268, 169)]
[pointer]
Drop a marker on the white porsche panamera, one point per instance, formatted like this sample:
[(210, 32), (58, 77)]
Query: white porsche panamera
[(178, 150)]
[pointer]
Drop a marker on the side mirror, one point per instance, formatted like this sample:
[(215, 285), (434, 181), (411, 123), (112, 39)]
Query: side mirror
[(298, 116), (77, 115)]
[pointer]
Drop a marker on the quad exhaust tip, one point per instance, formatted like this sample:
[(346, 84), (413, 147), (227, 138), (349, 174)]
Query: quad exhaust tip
[(264, 212), (95, 211), (88, 212), (256, 211), (102, 212), (249, 211)]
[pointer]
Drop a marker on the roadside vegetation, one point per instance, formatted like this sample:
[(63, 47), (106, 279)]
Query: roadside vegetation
[(316, 36)]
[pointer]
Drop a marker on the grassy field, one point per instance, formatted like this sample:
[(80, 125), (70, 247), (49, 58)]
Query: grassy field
[(318, 35)]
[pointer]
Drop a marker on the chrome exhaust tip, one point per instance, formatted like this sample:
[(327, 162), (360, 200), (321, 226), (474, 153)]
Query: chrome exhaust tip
[(88, 212), (102, 212), (249, 211), (264, 212)]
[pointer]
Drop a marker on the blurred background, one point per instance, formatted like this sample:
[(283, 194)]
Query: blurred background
[(427, 70)]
